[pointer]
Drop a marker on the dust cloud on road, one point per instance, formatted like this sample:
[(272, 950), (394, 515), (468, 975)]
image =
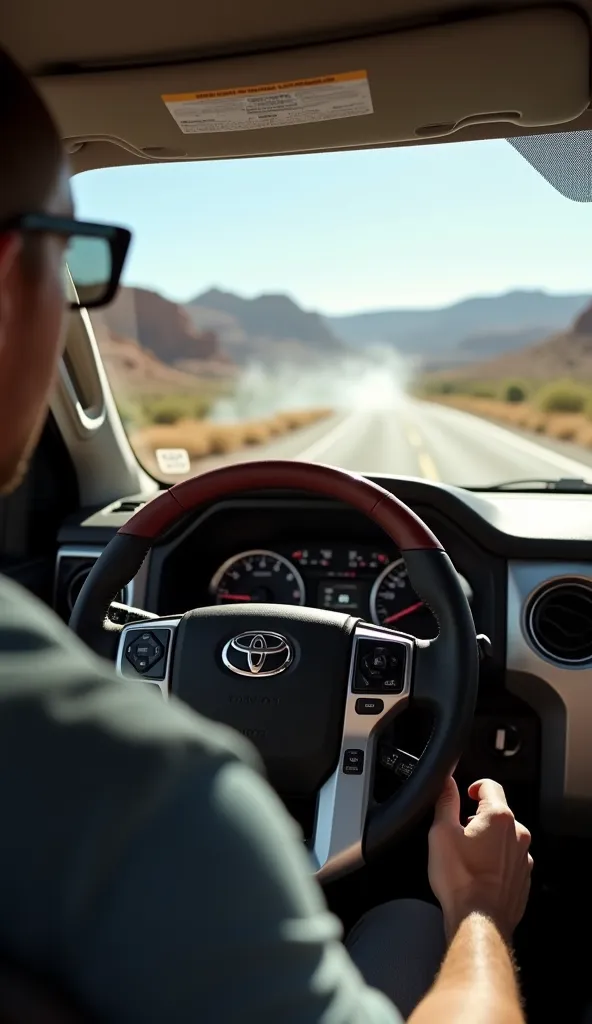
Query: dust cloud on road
[(376, 380)]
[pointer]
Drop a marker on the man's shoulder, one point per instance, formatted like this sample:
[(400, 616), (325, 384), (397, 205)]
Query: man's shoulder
[(50, 678), (25, 621)]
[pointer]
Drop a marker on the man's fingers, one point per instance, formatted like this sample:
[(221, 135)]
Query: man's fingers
[(523, 835), (447, 808), (489, 795)]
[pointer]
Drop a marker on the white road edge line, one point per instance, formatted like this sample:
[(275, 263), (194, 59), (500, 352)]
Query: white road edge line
[(328, 440), (521, 444)]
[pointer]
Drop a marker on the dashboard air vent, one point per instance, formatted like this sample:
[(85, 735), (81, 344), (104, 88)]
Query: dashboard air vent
[(128, 505), (72, 570), (559, 621)]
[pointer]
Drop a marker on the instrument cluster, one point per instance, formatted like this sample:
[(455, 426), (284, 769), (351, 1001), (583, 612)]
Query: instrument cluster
[(359, 579)]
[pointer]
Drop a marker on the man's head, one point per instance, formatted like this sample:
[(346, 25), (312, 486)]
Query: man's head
[(33, 179)]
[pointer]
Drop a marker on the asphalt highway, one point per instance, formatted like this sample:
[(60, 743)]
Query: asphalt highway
[(425, 440)]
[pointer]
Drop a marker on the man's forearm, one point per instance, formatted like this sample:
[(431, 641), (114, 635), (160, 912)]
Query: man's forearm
[(477, 983)]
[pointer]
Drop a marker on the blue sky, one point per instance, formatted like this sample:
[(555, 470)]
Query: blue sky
[(344, 232)]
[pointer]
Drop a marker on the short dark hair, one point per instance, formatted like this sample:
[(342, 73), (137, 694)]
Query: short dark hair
[(31, 151)]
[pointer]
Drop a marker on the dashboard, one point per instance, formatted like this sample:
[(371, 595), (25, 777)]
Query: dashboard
[(356, 578), (524, 560)]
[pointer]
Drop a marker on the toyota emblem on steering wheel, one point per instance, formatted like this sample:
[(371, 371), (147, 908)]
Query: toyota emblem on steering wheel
[(257, 654)]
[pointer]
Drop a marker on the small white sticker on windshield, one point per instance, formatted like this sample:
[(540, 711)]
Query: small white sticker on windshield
[(173, 460), (303, 101)]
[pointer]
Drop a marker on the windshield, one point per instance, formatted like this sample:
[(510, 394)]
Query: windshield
[(423, 311)]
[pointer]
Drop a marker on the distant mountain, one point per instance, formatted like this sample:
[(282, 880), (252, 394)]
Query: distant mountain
[(155, 342), (160, 326), (133, 370), (151, 346), (564, 354), (493, 343), (432, 333), (267, 327)]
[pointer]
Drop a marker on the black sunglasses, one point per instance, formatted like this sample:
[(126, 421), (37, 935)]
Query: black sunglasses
[(95, 255)]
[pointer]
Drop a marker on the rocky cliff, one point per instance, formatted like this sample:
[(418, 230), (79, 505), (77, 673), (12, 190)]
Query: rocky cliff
[(161, 327)]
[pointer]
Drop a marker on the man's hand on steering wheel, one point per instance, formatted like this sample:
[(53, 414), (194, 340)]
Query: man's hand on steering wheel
[(483, 867)]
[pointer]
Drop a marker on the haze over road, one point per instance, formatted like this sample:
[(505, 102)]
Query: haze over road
[(426, 440)]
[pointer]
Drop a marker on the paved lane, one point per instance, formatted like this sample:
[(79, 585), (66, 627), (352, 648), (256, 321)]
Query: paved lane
[(367, 441), (467, 450), (422, 439)]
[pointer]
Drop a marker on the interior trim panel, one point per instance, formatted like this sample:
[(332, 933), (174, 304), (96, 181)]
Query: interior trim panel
[(561, 695)]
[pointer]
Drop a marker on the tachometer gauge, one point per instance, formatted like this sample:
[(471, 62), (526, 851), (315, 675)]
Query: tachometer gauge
[(257, 576), (394, 603), (392, 599)]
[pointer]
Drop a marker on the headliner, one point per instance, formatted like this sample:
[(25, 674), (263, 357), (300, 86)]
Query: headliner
[(427, 60)]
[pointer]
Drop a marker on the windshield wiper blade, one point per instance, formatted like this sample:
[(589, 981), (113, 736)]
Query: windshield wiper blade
[(565, 485)]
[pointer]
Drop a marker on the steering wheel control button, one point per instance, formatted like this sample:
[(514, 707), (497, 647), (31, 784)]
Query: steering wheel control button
[(369, 706), (380, 668), (398, 761), (145, 651), (375, 664), (353, 761)]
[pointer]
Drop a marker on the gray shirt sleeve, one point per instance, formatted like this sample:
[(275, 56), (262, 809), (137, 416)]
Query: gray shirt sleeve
[(144, 862)]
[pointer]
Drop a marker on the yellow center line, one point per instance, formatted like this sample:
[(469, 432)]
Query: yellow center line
[(427, 466), (414, 438)]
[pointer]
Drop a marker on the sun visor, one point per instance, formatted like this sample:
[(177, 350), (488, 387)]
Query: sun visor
[(528, 68)]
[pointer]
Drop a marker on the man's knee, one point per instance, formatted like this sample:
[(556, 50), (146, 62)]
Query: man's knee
[(419, 922), (398, 947)]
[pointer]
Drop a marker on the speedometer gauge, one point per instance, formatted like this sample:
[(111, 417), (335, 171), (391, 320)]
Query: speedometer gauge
[(394, 603), (257, 575)]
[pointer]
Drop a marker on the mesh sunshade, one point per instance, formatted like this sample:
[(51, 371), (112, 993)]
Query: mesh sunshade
[(564, 159)]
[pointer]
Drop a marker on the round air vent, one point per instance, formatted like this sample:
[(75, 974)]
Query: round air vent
[(76, 584), (559, 621)]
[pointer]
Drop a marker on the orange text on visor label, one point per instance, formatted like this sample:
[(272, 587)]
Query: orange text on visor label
[(303, 101)]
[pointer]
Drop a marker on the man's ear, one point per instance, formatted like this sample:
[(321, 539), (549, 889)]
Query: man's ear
[(10, 248)]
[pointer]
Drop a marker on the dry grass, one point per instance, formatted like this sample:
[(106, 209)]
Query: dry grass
[(565, 426), (201, 438)]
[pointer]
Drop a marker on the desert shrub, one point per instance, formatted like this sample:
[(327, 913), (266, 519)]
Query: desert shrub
[(225, 438), (437, 386), (256, 432), (562, 396), (164, 412), (514, 391), (434, 386), (130, 412), (479, 389), (173, 408), (202, 438), (564, 428)]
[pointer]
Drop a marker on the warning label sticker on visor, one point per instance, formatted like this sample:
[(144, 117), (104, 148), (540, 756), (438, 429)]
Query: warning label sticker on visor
[(303, 101)]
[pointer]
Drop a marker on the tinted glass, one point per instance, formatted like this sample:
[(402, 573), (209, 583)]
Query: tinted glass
[(89, 263)]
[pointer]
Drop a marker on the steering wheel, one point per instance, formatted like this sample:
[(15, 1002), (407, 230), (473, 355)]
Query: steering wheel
[(311, 688)]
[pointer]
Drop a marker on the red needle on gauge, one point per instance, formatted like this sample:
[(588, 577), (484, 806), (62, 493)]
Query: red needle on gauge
[(235, 597), (403, 612)]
